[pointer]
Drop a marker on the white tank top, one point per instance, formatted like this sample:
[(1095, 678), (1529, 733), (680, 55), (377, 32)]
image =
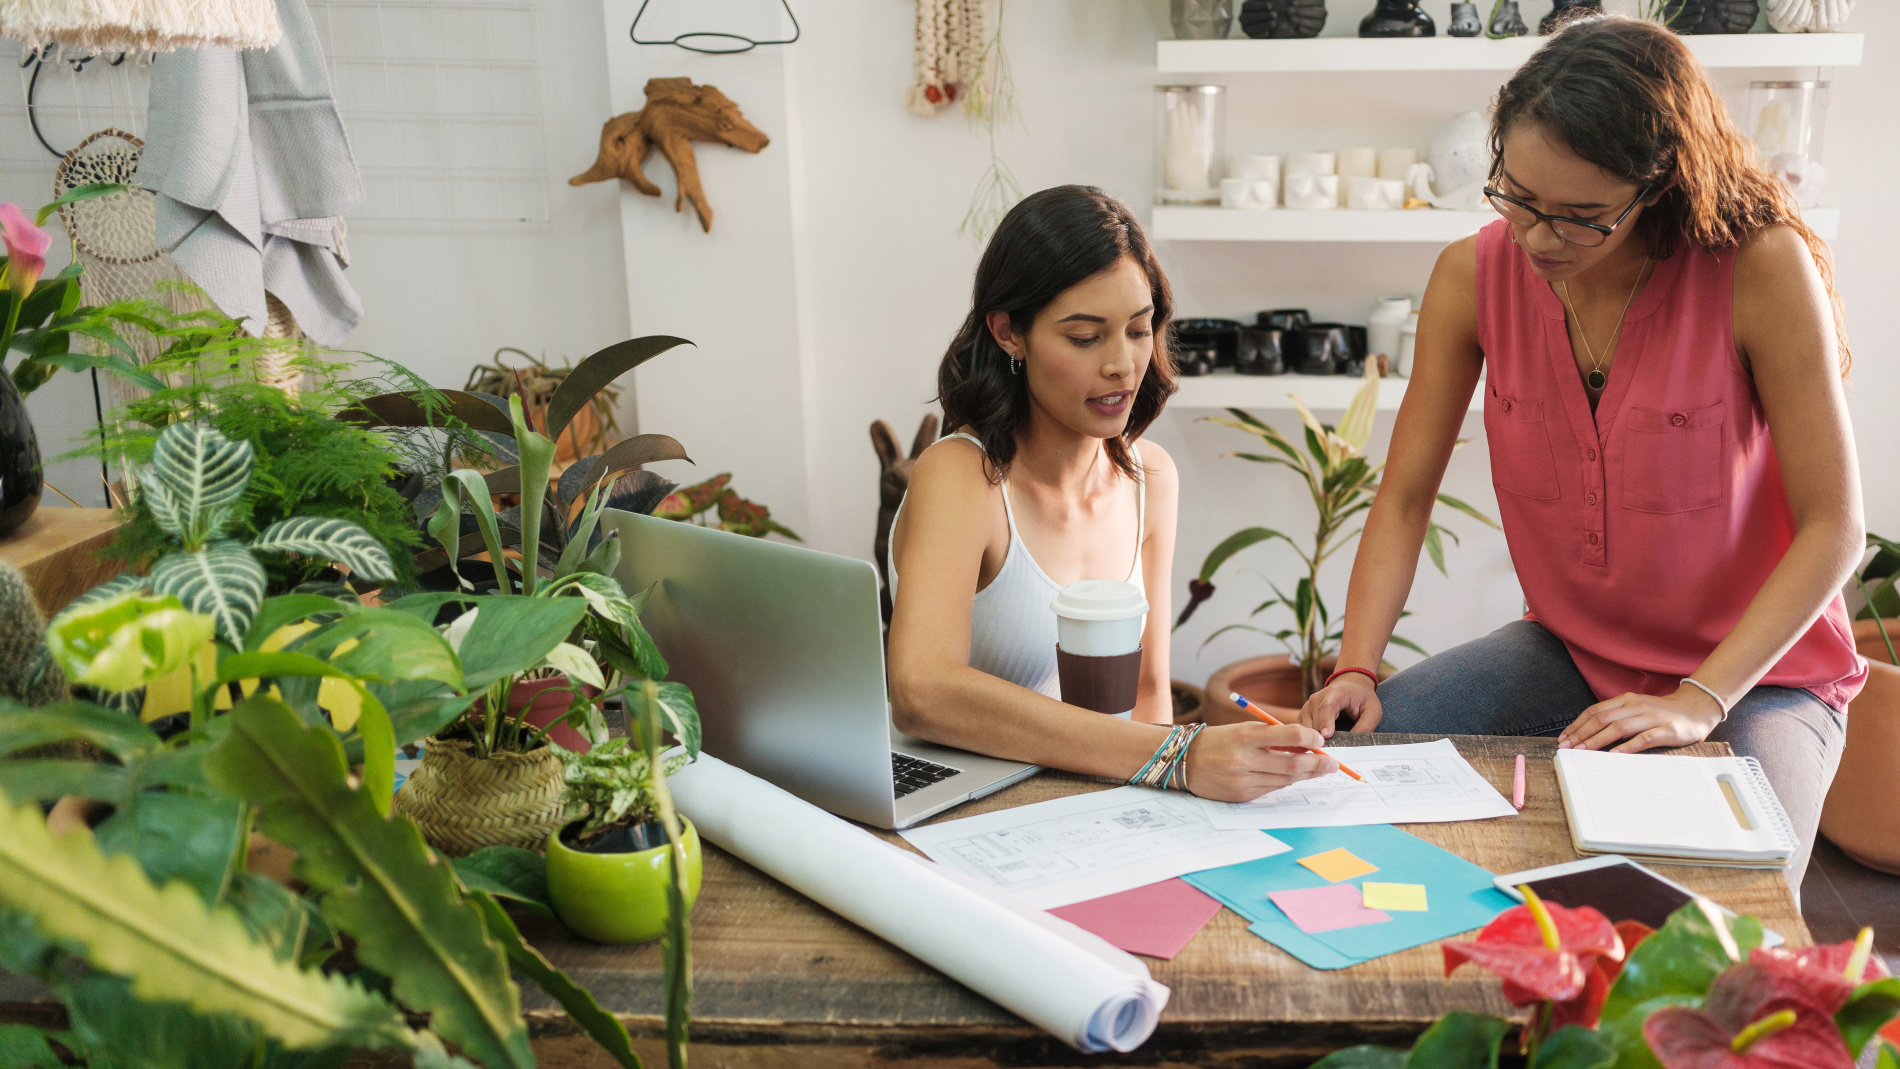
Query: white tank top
[(1012, 628)]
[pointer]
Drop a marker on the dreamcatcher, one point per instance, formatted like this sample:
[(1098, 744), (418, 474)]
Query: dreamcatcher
[(113, 237)]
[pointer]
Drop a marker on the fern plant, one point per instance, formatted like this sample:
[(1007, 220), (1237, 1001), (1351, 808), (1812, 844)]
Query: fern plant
[(192, 492)]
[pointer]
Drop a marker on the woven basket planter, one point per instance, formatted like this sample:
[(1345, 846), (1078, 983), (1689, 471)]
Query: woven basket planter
[(463, 803)]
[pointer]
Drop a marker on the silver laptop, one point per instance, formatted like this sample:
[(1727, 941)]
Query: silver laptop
[(784, 651)]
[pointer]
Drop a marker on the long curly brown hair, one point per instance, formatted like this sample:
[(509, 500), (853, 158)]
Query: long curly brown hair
[(1628, 96)]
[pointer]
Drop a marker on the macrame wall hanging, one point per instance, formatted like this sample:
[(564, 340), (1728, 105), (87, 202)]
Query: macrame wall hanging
[(141, 25), (959, 58)]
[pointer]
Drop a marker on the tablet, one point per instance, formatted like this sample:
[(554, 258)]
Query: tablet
[(1617, 887)]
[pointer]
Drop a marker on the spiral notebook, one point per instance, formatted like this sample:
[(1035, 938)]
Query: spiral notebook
[(1675, 810)]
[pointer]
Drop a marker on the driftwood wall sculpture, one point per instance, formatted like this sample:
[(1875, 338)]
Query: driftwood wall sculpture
[(677, 114)]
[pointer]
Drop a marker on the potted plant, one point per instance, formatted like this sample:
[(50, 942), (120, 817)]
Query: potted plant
[(611, 870), (1342, 481), (1700, 993), (1862, 812)]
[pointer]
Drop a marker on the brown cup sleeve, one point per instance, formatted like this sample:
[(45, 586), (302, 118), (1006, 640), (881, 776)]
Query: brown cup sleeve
[(1103, 684)]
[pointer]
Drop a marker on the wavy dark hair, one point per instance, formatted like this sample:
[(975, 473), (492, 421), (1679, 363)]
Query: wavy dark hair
[(1048, 242), (1630, 97)]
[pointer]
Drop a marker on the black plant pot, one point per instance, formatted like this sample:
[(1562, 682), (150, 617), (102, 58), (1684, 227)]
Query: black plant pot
[(1283, 319), (1465, 21), (1195, 360), (21, 479), (1714, 16), (1261, 352), (1222, 335), (1562, 11), (1397, 18), (1356, 347), (1318, 349), (1282, 18)]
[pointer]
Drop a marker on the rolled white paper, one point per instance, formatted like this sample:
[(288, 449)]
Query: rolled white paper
[(1052, 974), (1309, 163), (1358, 162), (1394, 162), (1257, 168)]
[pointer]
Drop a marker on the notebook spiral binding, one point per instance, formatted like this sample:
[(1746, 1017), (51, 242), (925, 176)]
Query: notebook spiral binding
[(1766, 800)]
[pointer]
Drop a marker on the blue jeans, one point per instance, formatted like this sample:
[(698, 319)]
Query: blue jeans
[(1520, 680)]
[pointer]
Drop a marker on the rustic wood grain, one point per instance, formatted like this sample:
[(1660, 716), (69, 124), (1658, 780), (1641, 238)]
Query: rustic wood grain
[(58, 553), (767, 960)]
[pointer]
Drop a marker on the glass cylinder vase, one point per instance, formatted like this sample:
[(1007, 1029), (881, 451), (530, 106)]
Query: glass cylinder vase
[(1190, 143), (1788, 123)]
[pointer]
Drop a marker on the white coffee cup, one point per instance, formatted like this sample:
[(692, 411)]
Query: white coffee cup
[(1394, 162), (1099, 617)]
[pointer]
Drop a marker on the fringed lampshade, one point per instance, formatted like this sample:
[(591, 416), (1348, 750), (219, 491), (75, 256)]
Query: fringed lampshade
[(141, 25)]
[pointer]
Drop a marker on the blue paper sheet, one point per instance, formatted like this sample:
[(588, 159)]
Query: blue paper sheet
[(1461, 894)]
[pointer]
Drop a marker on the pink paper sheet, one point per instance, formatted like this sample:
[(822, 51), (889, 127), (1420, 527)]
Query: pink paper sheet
[(1156, 920), (1322, 909)]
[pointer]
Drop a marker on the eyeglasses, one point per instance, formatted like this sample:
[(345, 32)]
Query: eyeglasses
[(1575, 231)]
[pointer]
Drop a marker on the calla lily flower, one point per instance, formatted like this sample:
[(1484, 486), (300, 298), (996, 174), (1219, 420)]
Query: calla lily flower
[(1756, 1016), (1544, 952), (123, 643), (26, 249)]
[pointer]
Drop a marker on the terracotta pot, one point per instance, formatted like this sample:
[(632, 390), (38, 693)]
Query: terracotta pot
[(1272, 682), (544, 702), (1868, 641), (1188, 700), (1862, 813)]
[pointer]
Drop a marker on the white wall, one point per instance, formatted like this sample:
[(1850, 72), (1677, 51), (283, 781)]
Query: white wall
[(877, 278), (436, 299)]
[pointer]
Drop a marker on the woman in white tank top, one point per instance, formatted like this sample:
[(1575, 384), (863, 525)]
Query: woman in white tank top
[(1055, 374)]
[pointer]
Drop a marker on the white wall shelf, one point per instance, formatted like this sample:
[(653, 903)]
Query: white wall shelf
[(1481, 54), (1322, 393), (1171, 223)]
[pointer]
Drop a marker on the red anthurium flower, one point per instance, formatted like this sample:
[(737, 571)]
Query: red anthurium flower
[(1541, 958), (1755, 1017), (26, 249), (1587, 1006), (1823, 970)]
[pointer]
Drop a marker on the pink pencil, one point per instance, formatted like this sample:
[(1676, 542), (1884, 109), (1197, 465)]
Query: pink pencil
[(1517, 784)]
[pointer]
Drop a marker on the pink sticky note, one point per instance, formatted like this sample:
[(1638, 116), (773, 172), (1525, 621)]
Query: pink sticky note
[(1322, 909), (1156, 920)]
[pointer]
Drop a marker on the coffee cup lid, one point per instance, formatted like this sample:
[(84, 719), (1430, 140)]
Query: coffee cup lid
[(1099, 599)]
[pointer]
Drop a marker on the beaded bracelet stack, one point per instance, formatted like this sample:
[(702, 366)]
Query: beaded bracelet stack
[(1167, 769)]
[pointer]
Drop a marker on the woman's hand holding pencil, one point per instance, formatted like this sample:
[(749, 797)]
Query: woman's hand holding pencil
[(1269, 718)]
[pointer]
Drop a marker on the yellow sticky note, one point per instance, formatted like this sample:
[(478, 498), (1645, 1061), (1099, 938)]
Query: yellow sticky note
[(1337, 865), (1404, 897)]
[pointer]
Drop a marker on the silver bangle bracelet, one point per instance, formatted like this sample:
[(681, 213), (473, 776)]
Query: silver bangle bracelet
[(1719, 703)]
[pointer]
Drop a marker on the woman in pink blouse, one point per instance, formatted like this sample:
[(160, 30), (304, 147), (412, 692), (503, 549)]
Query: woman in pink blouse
[(1658, 341)]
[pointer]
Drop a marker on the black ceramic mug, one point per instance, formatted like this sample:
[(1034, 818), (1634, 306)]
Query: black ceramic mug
[(1261, 352), (1282, 319)]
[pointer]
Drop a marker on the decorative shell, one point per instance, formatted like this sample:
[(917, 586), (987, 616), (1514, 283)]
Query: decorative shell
[(1808, 16), (1283, 18), (1714, 16)]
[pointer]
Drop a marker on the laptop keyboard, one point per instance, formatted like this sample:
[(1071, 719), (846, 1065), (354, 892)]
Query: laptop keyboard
[(914, 774)]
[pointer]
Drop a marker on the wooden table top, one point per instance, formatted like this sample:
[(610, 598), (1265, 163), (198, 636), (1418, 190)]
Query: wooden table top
[(772, 965)]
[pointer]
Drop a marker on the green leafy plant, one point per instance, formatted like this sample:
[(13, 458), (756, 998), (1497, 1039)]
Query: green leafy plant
[(1877, 581), (1699, 992), (612, 784), (695, 504), (166, 950), (195, 484), (1343, 482)]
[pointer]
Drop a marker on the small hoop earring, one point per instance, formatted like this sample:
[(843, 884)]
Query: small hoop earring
[(1015, 365)]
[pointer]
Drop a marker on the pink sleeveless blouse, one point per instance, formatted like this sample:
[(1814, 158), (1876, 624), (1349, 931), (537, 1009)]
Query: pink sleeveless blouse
[(1640, 535)]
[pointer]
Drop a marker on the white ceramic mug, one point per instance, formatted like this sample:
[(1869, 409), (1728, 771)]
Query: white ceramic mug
[(1309, 163), (1394, 162), (1257, 168), (1358, 162), (1312, 192), (1249, 193)]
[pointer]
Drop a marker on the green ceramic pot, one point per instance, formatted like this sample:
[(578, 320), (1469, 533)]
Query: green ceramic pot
[(617, 897)]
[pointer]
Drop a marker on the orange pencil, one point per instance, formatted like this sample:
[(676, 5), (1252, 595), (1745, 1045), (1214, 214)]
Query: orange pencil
[(1250, 707)]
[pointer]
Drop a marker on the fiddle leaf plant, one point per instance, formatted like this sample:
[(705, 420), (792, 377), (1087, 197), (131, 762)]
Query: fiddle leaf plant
[(1343, 482), (192, 490)]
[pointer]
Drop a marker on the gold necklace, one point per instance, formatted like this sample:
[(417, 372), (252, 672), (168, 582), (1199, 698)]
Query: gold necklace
[(1597, 379)]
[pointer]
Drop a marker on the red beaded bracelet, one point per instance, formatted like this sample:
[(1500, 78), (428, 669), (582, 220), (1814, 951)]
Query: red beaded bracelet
[(1367, 672)]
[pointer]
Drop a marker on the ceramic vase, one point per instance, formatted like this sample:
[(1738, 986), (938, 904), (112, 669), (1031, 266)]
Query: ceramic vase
[(1465, 21), (1562, 11), (1382, 328), (1397, 18), (1283, 18), (1713, 16), (1260, 352), (1507, 20), (1200, 20), (619, 896), (21, 479)]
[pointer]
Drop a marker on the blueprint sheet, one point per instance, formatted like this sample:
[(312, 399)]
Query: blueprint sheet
[(1411, 783), (1070, 850)]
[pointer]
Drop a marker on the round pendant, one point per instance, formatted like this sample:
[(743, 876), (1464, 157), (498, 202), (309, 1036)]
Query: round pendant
[(1597, 379)]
